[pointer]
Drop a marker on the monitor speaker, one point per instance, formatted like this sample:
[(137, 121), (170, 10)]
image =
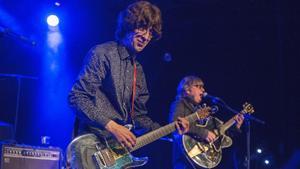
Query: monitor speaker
[(29, 157)]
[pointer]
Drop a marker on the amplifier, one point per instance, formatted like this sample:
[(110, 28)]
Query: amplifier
[(28, 157)]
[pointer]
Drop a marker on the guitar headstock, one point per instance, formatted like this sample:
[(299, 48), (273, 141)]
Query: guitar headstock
[(203, 112), (247, 108)]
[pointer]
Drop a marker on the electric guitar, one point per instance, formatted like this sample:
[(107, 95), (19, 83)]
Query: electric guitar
[(209, 155), (110, 154)]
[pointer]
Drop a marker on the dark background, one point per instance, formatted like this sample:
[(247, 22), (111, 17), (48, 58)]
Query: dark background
[(243, 50)]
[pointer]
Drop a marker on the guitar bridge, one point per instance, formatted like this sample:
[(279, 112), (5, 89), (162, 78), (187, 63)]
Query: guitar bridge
[(103, 158)]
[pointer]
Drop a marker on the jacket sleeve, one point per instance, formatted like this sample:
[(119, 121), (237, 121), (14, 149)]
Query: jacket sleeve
[(234, 131), (86, 96), (179, 109)]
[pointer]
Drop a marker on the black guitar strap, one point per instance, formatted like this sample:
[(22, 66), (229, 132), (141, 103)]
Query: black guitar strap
[(75, 128)]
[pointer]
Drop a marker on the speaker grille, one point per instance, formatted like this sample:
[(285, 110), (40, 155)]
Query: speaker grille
[(28, 157)]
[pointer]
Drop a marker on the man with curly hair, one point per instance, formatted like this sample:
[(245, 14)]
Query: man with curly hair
[(111, 89)]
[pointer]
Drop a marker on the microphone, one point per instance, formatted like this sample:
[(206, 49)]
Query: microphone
[(218, 101), (214, 99)]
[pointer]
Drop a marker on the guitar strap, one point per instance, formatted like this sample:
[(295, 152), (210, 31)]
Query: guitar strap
[(75, 128), (133, 91)]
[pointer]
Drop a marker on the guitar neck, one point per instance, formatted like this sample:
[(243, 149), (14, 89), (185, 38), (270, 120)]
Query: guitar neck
[(158, 133), (154, 135), (227, 125), (247, 109)]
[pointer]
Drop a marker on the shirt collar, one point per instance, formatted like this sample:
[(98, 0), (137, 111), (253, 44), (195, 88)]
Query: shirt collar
[(124, 53), (191, 102)]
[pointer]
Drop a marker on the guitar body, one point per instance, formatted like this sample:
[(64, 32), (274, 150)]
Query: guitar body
[(88, 152), (201, 153), (209, 155)]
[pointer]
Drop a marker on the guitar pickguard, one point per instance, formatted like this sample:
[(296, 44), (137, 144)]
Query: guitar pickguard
[(99, 155), (206, 155), (203, 155)]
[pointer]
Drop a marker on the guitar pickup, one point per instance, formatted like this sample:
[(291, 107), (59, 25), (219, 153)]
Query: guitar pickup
[(104, 158)]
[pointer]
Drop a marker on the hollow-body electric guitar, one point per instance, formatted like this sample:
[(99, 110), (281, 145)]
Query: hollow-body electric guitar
[(209, 155)]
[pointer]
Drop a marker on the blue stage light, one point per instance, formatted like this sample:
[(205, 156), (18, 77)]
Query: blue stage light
[(57, 3), (167, 57), (259, 151), (267, 162), (52, 20)]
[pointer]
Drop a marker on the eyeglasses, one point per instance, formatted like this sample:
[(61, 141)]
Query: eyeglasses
[(145, 33), (199, 86)]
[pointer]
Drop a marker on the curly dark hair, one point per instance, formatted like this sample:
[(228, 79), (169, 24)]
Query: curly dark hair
[(141, 14)]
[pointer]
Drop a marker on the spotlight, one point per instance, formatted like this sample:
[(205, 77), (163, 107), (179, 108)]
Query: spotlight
[(267, 162), (259, 151), (57, 3), (167, 57), (52, 20)]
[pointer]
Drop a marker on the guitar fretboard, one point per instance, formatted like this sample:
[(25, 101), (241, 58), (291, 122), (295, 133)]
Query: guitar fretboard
[(230, 122), (161, 132), (227, 125)]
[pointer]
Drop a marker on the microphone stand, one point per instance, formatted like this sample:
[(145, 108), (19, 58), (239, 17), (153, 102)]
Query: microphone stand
[(8, 32), (248, 118), (19, 78)]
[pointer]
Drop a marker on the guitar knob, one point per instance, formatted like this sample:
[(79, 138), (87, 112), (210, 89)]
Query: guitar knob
[(214, 109)]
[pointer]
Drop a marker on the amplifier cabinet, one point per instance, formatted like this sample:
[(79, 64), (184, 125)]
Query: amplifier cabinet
[(28, 157)]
